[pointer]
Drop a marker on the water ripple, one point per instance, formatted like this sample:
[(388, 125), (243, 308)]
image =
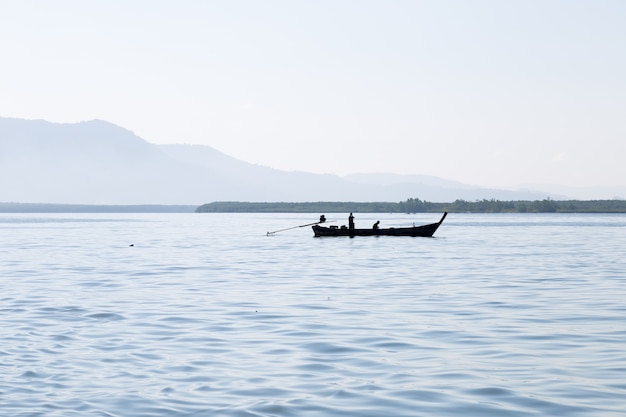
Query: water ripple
[(520, 319)]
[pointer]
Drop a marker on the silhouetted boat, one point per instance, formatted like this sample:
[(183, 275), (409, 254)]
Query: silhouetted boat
[(427, 230)]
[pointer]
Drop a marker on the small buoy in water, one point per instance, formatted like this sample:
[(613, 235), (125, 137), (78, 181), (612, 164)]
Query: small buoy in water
[(131, 245)]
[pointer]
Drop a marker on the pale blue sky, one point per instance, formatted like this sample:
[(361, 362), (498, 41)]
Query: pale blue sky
[(493, 93)]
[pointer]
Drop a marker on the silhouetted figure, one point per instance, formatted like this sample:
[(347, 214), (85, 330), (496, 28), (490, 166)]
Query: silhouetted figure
[(322, 219), (375, 226), (351, 222)]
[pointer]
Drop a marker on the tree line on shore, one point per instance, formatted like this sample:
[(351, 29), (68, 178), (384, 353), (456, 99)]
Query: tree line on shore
[(415, 205)]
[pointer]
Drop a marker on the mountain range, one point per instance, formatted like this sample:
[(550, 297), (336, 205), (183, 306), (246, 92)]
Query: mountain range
[(97, 162)]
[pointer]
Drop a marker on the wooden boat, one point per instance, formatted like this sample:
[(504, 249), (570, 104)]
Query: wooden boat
[(427, 230)]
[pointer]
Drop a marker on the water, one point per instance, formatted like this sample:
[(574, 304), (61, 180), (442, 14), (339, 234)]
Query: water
[(205, 315)]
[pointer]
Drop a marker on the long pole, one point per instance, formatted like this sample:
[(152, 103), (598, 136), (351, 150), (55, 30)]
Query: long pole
[(294, 227)]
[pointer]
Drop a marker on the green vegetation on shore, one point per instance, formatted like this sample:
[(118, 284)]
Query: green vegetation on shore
[(415, 205), (412, 205)]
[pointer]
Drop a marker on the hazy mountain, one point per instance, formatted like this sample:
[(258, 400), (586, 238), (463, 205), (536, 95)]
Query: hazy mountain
[(582, 193), (96, 162), (92, 162), (439, 189)]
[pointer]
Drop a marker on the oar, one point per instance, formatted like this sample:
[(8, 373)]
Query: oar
[(295, 227)]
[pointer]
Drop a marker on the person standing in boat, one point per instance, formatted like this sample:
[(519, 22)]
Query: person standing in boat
[(322, 219), (351, 222), (375, 226)]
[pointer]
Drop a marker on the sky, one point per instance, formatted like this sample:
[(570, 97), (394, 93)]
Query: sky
[(486, 92)]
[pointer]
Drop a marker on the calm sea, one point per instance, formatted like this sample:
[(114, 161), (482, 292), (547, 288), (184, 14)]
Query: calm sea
[(205, 315)]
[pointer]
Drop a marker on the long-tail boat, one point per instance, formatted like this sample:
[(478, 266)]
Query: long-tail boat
[(426, 230)]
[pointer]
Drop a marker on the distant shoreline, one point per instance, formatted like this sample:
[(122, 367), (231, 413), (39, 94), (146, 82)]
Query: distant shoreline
[(409, 206), (414, 205), (93, 208)]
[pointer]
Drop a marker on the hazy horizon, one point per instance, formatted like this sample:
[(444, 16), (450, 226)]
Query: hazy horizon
[(487, 93)]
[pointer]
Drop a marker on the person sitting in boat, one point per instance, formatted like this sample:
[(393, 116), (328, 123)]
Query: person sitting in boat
[(351, 222), (322, 219), (375, 226)]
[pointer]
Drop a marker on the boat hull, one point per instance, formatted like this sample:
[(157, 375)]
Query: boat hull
[(427, 230)]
